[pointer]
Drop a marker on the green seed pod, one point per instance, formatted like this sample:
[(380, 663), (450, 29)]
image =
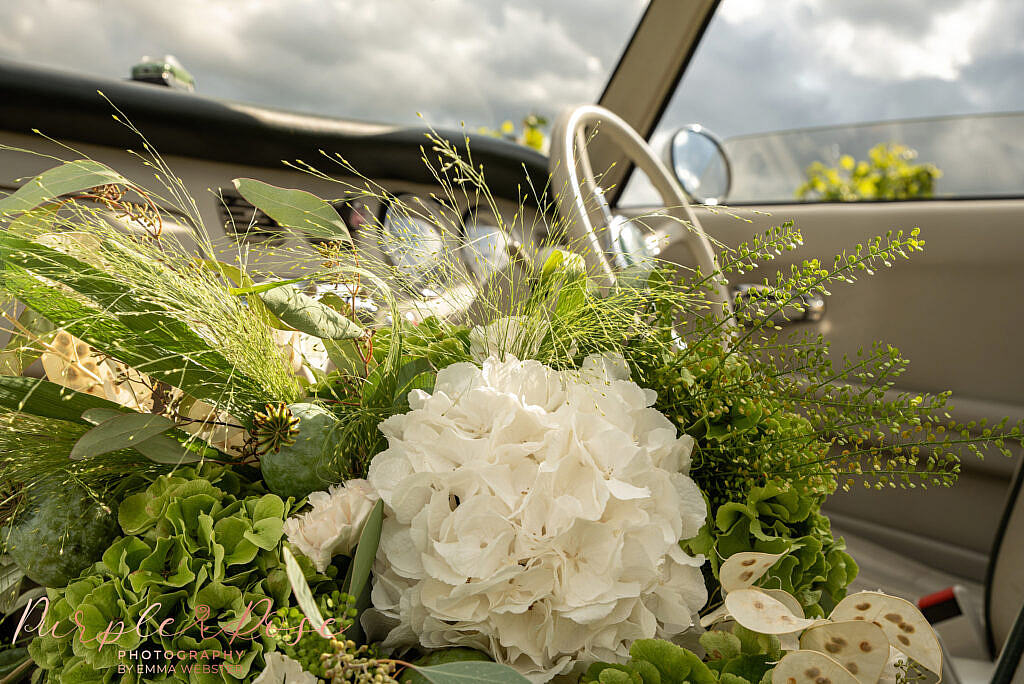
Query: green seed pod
[(64, 532), (298, 468)]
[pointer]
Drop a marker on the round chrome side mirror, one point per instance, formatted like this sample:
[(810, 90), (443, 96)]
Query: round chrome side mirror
[(700, 165)]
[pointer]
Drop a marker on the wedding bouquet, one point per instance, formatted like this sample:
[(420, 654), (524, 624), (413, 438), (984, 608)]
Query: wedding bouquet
[(227, 476)]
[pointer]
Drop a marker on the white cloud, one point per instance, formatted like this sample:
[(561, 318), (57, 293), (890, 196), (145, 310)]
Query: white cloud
[(880, 51), (764, 65), (476, 60)]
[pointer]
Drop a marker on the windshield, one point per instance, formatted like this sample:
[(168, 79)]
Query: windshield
[(835, 94), (479, 62)]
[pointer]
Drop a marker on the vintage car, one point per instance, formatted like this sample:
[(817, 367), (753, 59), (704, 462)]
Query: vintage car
[(957, 310)]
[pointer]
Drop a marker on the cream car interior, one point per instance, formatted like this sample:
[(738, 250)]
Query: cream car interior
[(957, 310)]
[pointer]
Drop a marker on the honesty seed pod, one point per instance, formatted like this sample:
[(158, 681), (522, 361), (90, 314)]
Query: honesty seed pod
[(742, 570), (811, 667), (860, 647), (906, 629), (760, 612)]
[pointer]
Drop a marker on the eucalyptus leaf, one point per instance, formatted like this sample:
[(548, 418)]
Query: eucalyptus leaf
[(366, 550), (336, 302), (125, 431), (166, 450), (458, 654), (307, 315), (296, 209), (471, 672), (344, 354), (303, 594), (72, 176), (159, 448)]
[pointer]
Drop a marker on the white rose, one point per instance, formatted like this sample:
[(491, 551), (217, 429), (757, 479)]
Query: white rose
[(283, 670), (301, 353), (334, 524), (535, 514)]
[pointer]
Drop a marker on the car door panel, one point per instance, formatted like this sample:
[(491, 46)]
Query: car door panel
[(956, 311)]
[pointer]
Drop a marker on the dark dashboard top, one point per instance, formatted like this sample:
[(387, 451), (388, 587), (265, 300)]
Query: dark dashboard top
[(66, 106)]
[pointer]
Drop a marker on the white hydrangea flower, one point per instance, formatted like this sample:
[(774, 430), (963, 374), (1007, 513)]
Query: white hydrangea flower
[(333, 527), (535, 514)]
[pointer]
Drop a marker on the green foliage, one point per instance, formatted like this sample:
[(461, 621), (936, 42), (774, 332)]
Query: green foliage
[(740, 655), (889, 174), (293, 636), (24, 348), (170, 320), (13, 665), (307, 315), (69, 177), (120, 431), (367, 388), (44, 399), (816, 569), (34, 457), (733, 657), (441, 657), (303, 593), (779, 424), (204, 547), (653, 661), (295, 209), (366, 551)]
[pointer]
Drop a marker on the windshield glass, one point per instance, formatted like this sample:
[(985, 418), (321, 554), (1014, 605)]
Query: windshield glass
[(841, 101), (478, 62)]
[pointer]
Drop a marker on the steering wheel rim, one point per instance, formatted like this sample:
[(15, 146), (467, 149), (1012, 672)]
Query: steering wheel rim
[(569, 157)]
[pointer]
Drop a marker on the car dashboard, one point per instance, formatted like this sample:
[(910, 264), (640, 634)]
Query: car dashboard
[(400, 211)]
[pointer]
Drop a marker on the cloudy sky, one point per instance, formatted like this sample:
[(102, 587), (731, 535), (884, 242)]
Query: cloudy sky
[(764, 64)]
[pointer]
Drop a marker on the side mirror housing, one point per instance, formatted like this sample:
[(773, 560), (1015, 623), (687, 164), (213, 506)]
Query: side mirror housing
[(699, 162)]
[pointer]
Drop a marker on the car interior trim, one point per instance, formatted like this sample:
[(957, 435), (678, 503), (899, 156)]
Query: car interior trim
[(75, 107)]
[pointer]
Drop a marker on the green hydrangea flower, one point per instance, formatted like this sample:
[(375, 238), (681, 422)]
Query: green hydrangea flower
[(817, 568), (200, 555)]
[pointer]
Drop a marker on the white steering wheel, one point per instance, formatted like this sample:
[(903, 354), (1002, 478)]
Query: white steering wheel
[(583, 205)]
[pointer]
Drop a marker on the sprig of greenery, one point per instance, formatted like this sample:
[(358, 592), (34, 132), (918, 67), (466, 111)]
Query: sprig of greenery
[(888, 173)]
